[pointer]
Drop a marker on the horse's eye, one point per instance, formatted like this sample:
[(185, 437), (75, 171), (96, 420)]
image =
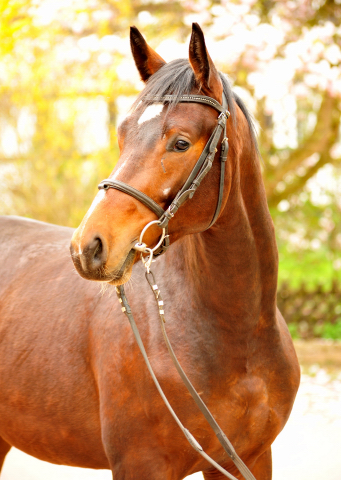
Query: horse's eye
[(181, 146)]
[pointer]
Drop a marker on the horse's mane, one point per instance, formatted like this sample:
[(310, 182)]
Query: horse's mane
[(177, 78)]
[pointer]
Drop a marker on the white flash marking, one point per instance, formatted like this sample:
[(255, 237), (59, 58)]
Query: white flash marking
[(118, 171), (166, 191), (99, 197), (150, 112)]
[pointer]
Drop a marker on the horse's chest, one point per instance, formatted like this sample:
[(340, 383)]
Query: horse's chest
[(250, 413)]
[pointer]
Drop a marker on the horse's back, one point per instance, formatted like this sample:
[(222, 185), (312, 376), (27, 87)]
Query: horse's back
[(26, 243), (39, 289), (47, 385), (24, 230)]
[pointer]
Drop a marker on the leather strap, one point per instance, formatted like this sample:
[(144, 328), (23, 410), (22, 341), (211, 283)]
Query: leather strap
[(224, 441), (201, 168), (125, 188), (193, 442), (223, 158), (143, 198), (191, 99)]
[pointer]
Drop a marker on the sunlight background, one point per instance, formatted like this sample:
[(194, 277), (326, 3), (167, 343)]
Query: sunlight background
[(67, 79)]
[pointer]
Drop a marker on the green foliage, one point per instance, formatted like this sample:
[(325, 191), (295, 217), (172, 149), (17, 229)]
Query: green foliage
[(309, 237), (311, 311), (328, 330), (294, 331), (311, 267)]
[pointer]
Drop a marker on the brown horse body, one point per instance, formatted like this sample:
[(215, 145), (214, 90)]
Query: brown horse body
[(74, 387)]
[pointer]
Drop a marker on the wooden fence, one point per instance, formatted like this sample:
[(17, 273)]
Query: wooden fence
[(311, 313)]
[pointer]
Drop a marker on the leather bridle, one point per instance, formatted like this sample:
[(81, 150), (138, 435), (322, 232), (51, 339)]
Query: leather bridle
[(200, 170)]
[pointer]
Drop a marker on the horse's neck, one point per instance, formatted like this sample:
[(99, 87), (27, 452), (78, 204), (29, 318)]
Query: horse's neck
[(234, 264)]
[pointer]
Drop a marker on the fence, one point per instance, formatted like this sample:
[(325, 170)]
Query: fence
[(310, 313)]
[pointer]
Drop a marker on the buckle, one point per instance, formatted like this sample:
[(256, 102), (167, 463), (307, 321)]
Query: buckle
[(169, 210)]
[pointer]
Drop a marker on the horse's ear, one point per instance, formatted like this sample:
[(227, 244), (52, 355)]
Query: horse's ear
[(146, 59), (206, 75)]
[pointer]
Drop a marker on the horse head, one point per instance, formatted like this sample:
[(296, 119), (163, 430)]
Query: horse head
[(160, 142)]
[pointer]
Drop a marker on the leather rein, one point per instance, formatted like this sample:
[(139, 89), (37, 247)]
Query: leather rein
[(200, 170)]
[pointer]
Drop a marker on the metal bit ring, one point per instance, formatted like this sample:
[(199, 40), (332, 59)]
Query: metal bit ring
[(142, 247)]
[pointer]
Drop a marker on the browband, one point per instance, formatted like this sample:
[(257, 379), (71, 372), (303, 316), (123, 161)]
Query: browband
[(191, 99)]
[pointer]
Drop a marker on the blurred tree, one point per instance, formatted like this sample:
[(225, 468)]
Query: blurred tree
[(288, 60), (286, 56), (66, 66), (58, 98)]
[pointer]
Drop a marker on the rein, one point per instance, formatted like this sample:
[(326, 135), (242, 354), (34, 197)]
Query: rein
[(200, 170)]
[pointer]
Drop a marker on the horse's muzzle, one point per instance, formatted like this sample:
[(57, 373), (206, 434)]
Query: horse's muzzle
[(90, 262)]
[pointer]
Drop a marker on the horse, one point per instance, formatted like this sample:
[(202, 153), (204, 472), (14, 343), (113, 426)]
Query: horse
[(74, 387)]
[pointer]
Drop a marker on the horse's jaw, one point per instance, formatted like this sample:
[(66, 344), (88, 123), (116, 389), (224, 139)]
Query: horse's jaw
[(123, 274)]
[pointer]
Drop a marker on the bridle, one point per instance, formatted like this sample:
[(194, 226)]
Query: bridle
[(200, 170)]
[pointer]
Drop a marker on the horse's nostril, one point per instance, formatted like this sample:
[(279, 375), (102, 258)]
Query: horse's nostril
[(94, 255), (98, 249)]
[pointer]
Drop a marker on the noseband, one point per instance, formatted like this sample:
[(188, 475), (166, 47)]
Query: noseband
[(200, 170)]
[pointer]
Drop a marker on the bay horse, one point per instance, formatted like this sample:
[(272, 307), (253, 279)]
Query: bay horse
[(74, 387)]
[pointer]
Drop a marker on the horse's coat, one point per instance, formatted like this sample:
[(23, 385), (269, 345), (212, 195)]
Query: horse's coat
[(74, 388)]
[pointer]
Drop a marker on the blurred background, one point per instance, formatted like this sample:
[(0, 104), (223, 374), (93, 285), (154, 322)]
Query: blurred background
[(67, 78)]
